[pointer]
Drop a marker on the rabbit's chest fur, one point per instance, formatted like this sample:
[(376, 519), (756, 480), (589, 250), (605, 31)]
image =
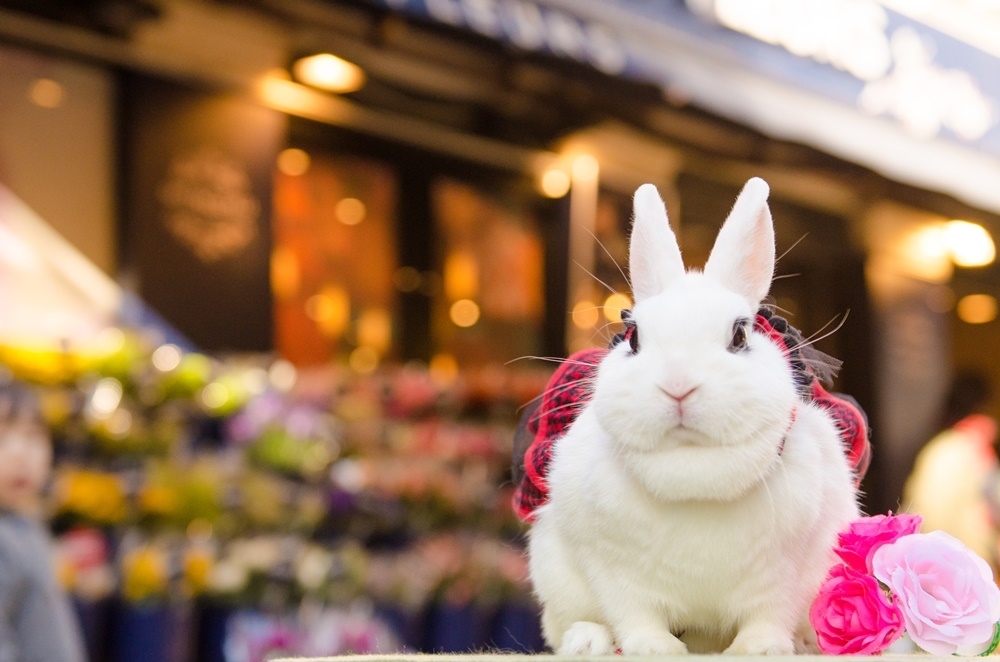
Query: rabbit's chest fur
[(707, 564)]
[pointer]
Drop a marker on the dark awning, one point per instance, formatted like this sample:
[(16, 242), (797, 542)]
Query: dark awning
[(853, 78)]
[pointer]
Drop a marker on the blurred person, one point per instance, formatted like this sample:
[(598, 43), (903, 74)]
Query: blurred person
[(36, 620), (954, 472)]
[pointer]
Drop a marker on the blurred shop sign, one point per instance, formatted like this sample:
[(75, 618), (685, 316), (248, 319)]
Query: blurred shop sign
[(527, 25), (197, 207), (925, 79), (859, 79), (856, 52), (209, 203), (848, 34)]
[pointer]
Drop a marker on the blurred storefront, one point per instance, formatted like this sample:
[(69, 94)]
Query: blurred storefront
[(451, 194)]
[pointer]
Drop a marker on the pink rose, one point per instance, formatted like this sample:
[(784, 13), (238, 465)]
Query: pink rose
[(865, 535), (853, 616), (946, 592)]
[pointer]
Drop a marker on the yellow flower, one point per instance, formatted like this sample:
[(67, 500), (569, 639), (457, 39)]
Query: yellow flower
[(96, 496), (38, 362), (198, 563), (158, 500), (144, 574)]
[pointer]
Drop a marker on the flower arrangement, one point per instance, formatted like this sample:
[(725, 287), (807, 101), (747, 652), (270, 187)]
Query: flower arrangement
[(145, 574), (893, 579), (90, 496), (285, 435)]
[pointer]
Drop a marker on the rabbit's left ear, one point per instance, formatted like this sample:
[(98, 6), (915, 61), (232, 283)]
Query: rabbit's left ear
[(743, 256), (654, 256)]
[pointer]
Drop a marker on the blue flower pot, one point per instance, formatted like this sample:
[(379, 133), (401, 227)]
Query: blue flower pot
[(95, 618), (212, 623), (455, 628), (517, 629), (406, 624), (143, 633)]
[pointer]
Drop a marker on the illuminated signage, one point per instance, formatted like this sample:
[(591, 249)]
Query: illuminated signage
[(900, 75), (529, 26)]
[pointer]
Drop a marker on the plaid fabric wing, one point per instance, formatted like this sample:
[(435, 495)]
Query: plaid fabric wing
[(567, 392), (853, 425), (846, 413)]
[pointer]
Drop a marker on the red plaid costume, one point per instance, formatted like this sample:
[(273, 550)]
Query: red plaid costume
[(570, 388)]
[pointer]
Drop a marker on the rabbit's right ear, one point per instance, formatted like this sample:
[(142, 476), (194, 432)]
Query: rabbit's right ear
[(654, 257)]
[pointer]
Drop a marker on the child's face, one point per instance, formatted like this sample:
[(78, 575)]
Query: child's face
[(25, 459)]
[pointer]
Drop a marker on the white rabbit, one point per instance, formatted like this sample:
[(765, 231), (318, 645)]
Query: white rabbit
[(696, 498)]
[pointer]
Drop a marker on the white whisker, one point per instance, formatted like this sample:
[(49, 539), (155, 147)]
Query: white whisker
[(613, 260), (604, 330), (551, 359), (569, 405), (778, 309), (792, 247), (594, 276), (559, 388), (816, 337)]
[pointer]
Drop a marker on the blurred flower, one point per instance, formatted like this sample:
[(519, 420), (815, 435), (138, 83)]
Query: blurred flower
[(198, 565), (188, 378), (260, 553), (158, 500), (254, 417), (90, 495), (312, 568), (227, 577), (263, 498), (178, 494), (144, 574)]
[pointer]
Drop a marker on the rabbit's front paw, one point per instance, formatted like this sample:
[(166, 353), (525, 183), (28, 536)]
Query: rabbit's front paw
[(652, 642), (761, 641), (805, 641), (586, 638)]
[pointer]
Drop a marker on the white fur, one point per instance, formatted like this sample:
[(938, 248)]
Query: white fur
[(672, 511)]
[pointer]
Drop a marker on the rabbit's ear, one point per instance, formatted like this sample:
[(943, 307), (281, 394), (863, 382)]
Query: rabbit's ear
[(743, 256), (654, 257)]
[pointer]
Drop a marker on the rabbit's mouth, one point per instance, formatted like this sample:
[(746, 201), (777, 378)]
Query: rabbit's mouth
[(685, 435)]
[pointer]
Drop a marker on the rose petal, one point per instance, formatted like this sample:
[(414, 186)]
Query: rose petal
[(945, 592)]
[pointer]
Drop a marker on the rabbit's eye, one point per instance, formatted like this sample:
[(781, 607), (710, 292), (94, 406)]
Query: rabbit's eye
[(739, 341), (631, 333), (632, 336)]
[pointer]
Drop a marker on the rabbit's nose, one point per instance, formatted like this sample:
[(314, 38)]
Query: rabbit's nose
[(678, 394)]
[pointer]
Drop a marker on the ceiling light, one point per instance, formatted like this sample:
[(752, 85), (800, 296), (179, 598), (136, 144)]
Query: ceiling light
[(293, 162), (970, 244), (46, 93), (464, 313), (977, 308), (329, 72), (350, 211), (554, 183)]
